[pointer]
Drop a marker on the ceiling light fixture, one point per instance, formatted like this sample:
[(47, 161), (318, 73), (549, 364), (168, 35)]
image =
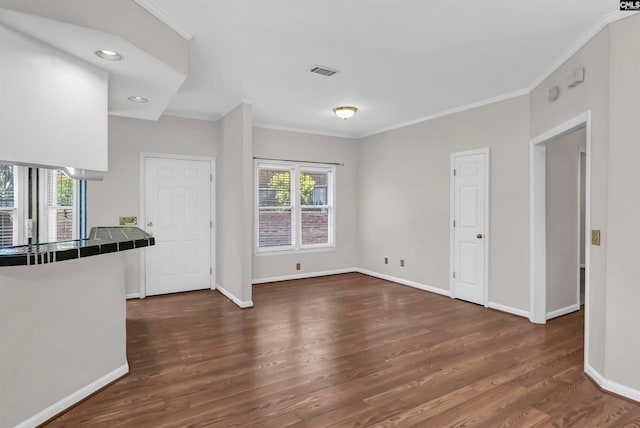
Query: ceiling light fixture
[(345, 112), (138, 99), (109, 55)]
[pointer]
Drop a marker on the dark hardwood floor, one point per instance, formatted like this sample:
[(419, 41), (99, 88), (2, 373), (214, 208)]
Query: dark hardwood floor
[(347, 350)]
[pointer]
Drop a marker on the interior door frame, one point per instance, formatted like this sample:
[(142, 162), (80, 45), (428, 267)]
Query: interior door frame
[(142, 221), (452, 206), (537, 219)]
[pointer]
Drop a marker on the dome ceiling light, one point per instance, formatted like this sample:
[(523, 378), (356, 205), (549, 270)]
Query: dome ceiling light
[(345, 112)]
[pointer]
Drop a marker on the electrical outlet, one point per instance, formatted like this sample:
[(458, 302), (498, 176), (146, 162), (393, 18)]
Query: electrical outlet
[(401, 263), (386, 260), (297, 266)]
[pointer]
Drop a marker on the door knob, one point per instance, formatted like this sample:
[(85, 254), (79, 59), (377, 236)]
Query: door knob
[(479, 236), (150, 224)]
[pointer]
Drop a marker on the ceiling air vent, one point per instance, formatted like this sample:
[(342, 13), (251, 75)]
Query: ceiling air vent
[(324, 71)]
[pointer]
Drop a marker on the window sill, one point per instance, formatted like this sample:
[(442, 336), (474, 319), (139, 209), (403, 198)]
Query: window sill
[(289, 252)]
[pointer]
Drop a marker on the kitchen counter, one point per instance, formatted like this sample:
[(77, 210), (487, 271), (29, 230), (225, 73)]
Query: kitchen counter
[(62, 325), (101, 240)]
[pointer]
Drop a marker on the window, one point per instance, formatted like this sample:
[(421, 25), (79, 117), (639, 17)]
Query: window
[(9, 194), (60, 200), (295, 207)]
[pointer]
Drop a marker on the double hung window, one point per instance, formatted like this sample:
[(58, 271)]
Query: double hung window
[(295, 206)]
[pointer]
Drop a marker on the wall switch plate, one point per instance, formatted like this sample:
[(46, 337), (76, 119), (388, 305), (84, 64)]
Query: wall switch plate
[(297, 266), (128, 221), (401, 263), (595, 237), (386, 260)]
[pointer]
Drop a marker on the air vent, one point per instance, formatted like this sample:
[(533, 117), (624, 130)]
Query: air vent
[(324, 71)]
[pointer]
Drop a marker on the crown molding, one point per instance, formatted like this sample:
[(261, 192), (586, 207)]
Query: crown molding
[(601, 24), (303, 131), (167, 19), (481, 103), (192, 115)]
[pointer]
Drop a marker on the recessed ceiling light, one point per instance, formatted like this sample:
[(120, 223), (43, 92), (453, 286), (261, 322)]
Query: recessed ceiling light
[(109, 55), (138, 99), (345, 112)]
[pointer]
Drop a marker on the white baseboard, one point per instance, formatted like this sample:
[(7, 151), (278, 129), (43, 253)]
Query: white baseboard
[(563, 311), (508, 309), (70, 400), (229, 295), (611, 386), (406, 282), (303, 275), (133, 296)]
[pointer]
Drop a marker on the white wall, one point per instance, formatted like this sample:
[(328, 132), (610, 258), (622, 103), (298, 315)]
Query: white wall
[(62, 327), (623, 270), (563, 219), (235, 205), (403, 210), (314, 148), (53, 108), (119, 194)]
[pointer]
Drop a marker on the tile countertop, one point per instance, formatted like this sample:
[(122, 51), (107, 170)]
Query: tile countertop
[(101, 240)]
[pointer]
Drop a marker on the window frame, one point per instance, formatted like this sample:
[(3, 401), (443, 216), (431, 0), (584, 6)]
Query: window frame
[(295, 168), (20, 209)]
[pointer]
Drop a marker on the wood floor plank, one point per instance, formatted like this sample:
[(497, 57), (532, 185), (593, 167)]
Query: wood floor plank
[(347, 350)]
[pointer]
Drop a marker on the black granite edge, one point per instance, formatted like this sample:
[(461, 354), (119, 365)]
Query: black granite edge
[(80, 249), (13, 260)]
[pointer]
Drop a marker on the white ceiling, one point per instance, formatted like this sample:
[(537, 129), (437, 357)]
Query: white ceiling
[(399, 60)]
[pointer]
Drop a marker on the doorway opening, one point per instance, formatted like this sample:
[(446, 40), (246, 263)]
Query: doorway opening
[(564, 225), (551, 265)]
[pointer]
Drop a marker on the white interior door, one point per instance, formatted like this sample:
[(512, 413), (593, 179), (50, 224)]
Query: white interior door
[(470, 199), (178, 214)]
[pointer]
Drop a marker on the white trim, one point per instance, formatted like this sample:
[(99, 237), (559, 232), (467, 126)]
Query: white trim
[(229, 295), (302, 275), (487, 184), (470, 106), (166, 19), (133, 296), (579, 44), (214, 222), (508, 309), (610, 385), (142, 275), (79, 395), (581, 232), (563, 311), (406, 282)]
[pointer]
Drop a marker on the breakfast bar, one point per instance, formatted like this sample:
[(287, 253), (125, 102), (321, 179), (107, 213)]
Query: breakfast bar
[(62, 321)]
